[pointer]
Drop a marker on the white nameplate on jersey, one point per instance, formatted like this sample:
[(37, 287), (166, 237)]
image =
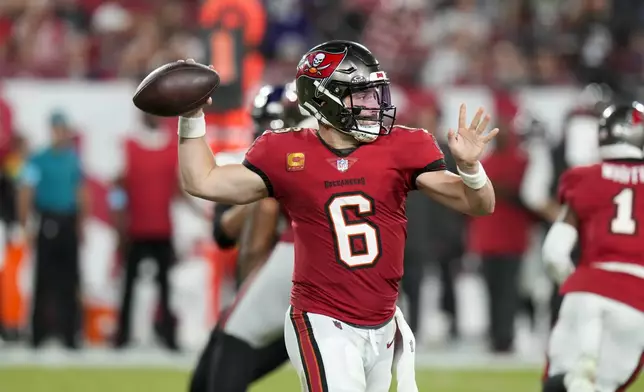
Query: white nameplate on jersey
[(378, 75)]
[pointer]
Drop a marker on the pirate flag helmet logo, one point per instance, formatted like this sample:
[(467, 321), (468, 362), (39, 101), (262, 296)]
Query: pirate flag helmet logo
[(320, 64)]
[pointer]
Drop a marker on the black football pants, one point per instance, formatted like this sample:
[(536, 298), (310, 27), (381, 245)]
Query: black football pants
[(161, 251), (501, 275), (56, 298), (241, 365)]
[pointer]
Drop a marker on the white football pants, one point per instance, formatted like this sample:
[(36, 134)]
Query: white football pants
[(331, 356), (609, 333)]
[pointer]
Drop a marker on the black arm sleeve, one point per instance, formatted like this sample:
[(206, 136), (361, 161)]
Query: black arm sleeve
[(437, 165), (220, 237)]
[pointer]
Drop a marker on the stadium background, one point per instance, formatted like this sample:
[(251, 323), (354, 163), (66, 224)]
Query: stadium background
[(85, 57)]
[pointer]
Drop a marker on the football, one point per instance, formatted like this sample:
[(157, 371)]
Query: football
[(176, 88)]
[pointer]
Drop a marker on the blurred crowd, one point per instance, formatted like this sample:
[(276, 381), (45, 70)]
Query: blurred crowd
[(423, 44), (443, 42)]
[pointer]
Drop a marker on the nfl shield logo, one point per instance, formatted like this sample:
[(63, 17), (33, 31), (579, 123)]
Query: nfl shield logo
[(342, 164)]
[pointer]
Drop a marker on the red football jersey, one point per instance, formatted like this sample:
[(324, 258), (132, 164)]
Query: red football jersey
[(606, 198), (348, 213), (151, 184)]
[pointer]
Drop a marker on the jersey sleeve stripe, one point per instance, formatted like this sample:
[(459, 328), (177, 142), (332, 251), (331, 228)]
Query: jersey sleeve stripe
[(259, 172), (437, 165), (309, 352)]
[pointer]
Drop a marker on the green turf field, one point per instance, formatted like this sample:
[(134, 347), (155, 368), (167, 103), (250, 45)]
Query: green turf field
[(139, 380)]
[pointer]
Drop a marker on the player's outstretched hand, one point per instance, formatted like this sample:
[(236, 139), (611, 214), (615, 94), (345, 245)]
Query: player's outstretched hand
[(198, 112), (468, 143)]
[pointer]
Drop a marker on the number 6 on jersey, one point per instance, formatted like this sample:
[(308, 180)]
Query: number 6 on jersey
[(350, 233)]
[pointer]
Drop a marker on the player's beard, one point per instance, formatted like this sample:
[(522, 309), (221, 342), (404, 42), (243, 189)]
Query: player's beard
[(367, 131), (368, 127)]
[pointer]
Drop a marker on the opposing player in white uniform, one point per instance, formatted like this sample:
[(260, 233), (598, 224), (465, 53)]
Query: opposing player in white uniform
[(248, 342), (597, 344)]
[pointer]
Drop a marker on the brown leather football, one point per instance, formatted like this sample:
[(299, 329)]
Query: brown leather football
[(176, 88)]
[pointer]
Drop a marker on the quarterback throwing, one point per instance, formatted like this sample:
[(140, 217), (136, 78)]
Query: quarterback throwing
[(344, 187)]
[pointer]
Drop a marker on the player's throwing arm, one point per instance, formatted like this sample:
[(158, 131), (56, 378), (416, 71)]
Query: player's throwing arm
[(182, 89), (232, 184)]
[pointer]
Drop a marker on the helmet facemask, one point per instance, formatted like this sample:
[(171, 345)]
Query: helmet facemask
[(363, 110), (368, 112)]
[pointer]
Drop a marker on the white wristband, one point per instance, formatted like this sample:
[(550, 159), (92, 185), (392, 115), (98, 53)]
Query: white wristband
[(476, 180), (192, 127)]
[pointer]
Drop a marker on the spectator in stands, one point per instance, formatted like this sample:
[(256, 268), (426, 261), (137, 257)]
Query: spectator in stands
[(52, 188), (141, 200), (94, 38), (454, 32), (547, 68), (51, 40), (594, 35), (510, 65), (395, 30)]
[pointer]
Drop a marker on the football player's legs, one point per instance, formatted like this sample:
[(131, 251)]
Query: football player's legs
[(254, 321), (622, 346), (257, 317), (270, 358), (327, 355), (266, 360), (199, 379), (575, 339), (379, 370)]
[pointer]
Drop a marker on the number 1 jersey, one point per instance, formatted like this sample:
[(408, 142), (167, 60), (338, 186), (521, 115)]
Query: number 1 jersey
[(348, 214), (608, 200)]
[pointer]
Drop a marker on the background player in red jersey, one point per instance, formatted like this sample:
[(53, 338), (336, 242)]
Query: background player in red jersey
[(598, 340), (344, 187)]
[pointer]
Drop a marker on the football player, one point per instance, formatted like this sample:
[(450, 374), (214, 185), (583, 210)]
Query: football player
[(247, 342), (344, 187), (598, 340)]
